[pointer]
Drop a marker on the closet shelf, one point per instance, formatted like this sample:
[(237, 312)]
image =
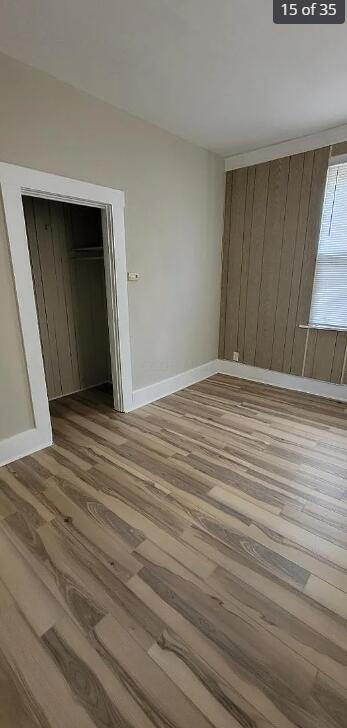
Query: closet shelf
[(89, 253), (88, 249)]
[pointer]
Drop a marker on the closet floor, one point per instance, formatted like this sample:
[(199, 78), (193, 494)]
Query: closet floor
[(181, 566)]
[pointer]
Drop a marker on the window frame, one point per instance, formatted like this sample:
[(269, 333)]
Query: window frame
[(333, 162)]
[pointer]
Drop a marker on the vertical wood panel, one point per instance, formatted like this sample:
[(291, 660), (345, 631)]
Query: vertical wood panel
[(47, 262), (305, 194), (277, 194), (344, 371), (245, 259), (70, 299), (339, 354), (81, 306), (320, 165), (287, 259), (308, 364), (68, 272), (270, 245), (238, 205), (100, 323), (62, 247), (61, 315), (225, 263), (38, 289), (255, 260), (324, 355)]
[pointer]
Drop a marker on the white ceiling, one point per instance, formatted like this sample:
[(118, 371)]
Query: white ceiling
[(216, 72)]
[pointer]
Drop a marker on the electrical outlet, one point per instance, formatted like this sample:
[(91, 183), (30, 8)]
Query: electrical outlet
[(235, 356), (133, 277)]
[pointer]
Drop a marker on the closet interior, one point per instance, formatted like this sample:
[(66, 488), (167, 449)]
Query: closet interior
[(67, 263)]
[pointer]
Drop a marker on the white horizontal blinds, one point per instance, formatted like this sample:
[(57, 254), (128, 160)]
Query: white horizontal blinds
[(329, 298)]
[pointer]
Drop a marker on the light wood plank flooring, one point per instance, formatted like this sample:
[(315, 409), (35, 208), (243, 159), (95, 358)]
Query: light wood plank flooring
[(181, 566)]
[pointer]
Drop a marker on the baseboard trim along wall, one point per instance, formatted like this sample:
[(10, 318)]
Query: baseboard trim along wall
[(21, 445), (284, 381), (156, 391), (32, 440), (149, 394)]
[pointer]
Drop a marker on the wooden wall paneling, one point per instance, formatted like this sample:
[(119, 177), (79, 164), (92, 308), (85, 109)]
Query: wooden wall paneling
[(28, 206), (49, 280), (83, 313), (344, 370), (298, 259), (339, 354), (255, 260), (225, 262), (95, 331), (277, 195), (78, 324), (320, 166), (70, 290), (296, 167), (238, 207), (247, 232), (100, 322), (71, 302), (308, 362), (91, 320), (106, 335), (272, 223), (69, 382), (65, 247), (324, 355)]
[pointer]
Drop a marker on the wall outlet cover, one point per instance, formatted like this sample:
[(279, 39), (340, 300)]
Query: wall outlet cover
[(133, 276)]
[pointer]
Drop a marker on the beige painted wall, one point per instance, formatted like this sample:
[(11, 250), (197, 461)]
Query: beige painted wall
[(174, 206)]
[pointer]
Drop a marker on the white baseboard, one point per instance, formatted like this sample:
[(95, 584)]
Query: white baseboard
[(23, 444), (156, 391), (285, 381), (33, 440), (149, 394)]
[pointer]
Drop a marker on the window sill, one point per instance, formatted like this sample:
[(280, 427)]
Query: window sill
[(317, 327)]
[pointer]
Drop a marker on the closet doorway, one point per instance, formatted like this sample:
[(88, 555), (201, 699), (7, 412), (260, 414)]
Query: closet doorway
[(67, 263), (38, 195)]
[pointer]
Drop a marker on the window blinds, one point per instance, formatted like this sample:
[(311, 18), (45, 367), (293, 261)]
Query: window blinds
[(329, 298)]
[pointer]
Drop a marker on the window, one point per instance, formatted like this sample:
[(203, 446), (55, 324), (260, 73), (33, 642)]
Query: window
[(329, 298)]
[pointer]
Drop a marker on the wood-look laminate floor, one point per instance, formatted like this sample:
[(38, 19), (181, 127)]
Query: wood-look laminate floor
[(182, 566)]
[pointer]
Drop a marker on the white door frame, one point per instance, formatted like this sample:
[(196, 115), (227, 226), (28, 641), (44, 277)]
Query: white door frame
[(16, 181)]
